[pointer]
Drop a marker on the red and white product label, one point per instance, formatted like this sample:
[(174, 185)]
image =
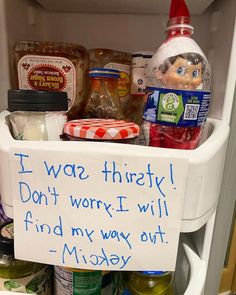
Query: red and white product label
[(47, 73)]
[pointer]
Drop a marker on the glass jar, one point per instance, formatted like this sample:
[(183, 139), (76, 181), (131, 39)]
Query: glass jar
[(18, 275), (108, 130), (116, 60), (53, 66), (149, 283), (103, 100), (37, 115)]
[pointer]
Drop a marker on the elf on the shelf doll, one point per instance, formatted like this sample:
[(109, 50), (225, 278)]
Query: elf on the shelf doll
[(178, 82)]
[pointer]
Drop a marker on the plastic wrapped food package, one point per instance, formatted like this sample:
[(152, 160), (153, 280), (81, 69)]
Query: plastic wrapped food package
[(178, 79), (52, 66)]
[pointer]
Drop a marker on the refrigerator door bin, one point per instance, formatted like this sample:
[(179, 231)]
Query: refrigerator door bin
[(205, 167), (190, 273)]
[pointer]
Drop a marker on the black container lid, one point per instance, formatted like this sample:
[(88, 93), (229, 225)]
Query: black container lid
[(7, 239), (38, 101)]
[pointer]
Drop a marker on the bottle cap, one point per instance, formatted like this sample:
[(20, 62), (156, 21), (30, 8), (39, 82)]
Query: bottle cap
[(101, 129), (179, 15), (154, 273), (104, 72), (38, 101), (7, 238)]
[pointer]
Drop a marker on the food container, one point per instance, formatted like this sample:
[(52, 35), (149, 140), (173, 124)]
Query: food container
[(103, 100), (37, 115), (53, 66), (117, 60), (149, 282), (108, 130)]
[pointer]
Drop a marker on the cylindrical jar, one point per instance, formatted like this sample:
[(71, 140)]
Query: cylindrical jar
[(18, 275), (37, 115), (103, 100), (102, 130), (116, 60)]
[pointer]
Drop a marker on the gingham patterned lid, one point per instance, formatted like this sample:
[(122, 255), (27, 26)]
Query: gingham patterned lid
[(101, 129)]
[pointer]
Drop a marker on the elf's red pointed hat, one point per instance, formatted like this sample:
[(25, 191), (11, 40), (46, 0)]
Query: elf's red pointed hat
[(178, 8)]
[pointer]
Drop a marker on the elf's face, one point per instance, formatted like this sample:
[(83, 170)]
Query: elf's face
[(182, 75)]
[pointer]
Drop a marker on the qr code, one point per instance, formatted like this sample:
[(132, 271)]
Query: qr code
[(191, 111)]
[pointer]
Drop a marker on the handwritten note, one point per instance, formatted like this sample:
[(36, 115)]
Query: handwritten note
[(84, 210)]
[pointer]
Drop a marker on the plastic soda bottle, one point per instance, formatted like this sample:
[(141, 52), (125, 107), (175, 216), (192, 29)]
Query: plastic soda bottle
[(178, 86)]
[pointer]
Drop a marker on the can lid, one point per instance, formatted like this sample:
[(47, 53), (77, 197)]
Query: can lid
[(104, 72), (7, 238), (101, 129), (39, 101)]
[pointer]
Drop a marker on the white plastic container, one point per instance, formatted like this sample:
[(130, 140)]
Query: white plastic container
[(204, 176)]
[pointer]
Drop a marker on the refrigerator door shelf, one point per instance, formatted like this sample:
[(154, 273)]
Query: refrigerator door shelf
[(190, 273), (205, 166)]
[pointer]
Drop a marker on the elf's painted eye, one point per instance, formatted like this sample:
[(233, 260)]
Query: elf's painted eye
[(180, 71), (195, 73)]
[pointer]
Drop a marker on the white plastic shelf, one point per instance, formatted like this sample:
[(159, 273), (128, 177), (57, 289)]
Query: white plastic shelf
[(121, 6), (205, 166)]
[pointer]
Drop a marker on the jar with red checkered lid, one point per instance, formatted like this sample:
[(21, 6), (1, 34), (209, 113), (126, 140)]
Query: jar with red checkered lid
[(109, 130)]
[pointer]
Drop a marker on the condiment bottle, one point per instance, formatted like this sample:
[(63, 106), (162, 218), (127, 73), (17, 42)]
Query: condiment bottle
[(18, 275), (116, 60), (178, 80), (103, 100), (37, 115), (149, 282), (53, 66), (108, 130), (136, 103)]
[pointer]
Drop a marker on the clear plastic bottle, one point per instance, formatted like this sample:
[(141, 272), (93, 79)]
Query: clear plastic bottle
[(149, 283), (178, 80)]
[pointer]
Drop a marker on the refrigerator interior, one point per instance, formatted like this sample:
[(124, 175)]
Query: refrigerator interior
[(123, 26)]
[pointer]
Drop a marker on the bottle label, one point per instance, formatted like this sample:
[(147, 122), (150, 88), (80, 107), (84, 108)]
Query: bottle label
[(72, 282), (123, 81), (47, 73), (38, 283), (138, 81), (173, 107)]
